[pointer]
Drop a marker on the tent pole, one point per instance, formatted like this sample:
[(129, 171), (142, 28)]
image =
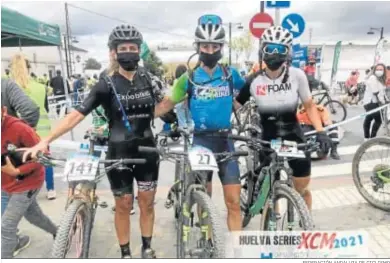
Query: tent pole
[(20, 44), (67, 98)]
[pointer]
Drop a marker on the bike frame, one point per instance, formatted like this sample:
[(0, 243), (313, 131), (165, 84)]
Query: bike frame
[(266, 179), (187, 184)]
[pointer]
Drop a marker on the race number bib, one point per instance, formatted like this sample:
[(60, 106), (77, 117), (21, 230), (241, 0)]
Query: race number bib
[(286, 149), (202, 159), (81, 167)]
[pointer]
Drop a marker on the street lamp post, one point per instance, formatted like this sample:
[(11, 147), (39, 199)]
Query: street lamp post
[(380, 29), (377, 49), (239, 26)]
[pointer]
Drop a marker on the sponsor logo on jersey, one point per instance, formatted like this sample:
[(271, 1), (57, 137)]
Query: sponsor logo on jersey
[(208, 92), (262, 90), (135, 96)]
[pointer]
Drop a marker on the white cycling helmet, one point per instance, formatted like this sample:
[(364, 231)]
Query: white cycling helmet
[(277, 35), (210, 33)]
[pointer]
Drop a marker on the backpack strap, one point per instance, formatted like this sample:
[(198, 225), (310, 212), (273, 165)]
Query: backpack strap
[(231, 89), (111, 87), (149, 83)]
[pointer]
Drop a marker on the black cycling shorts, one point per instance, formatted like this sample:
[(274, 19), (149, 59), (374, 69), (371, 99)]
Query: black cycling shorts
[(146, 174), (300, 167)]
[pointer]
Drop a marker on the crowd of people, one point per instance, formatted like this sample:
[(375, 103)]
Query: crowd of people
[(129, 98)]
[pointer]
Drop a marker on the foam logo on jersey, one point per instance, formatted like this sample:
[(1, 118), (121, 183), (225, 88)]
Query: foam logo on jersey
[(209, 92), (263, 90)]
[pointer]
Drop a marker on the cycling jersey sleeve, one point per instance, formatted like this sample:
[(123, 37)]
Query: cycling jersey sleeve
[(245, 92), (179, 90), (238, 81), (303, 85), (95, 98)]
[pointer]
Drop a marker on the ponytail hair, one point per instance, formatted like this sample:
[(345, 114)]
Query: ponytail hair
[(19, 70)]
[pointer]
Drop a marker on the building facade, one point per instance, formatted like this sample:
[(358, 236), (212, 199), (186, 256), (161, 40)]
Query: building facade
[(46, 60)]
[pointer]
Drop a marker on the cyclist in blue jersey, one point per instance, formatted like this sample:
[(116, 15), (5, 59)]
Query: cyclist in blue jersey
[(209, 89)]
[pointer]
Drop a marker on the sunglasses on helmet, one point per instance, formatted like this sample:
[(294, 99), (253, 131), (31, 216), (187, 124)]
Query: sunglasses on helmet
[(209, 19), (275, 49)]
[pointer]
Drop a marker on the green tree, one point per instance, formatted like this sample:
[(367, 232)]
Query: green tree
[(247, 44), (154, 64), (237, 47), (92, 63)]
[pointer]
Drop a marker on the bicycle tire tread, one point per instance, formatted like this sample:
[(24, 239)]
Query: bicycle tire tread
[(298, 202), (60, 242), (205, 202), (356, 178)]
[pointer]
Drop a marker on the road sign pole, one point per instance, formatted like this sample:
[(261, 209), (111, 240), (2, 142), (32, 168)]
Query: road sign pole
[(261, 11), (277, 17)]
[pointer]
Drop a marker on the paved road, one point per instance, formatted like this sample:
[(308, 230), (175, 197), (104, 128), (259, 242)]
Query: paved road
[(336, 206)]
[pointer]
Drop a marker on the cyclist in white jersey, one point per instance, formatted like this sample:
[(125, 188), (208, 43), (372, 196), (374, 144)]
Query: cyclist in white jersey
[(277, 90)]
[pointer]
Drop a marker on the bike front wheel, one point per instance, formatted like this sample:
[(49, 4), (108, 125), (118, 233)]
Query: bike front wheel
[(75, 227), (378, 180), (283, 191), (203, 201)]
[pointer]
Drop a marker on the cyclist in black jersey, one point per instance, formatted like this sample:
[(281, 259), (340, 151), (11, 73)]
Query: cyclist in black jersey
[(127, 95), (277, 90)]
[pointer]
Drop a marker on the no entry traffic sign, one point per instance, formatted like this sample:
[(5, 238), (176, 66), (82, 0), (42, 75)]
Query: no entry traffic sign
[(259, 23)]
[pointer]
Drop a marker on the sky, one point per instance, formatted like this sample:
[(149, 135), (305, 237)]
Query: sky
[(174, 21)]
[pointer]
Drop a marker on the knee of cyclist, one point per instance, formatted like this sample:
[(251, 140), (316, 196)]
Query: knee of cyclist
[(303, 191), (146, 206), (233, 204), (124, 204)]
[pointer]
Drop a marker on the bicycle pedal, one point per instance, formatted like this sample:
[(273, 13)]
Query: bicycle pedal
[(103, 204)]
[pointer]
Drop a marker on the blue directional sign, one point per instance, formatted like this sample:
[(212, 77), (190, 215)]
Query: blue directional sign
[(295, 24), (278, 4)]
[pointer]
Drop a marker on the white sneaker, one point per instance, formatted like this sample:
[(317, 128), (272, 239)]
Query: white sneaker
[(365, 139), (51, 195)]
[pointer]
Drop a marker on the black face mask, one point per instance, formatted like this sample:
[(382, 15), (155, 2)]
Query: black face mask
[(210, 60), (128, 60), (274, 61)]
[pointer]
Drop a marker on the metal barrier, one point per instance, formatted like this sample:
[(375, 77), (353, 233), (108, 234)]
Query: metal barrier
[(360, 116)]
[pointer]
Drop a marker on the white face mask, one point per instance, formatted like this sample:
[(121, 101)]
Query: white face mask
[(379, 73)]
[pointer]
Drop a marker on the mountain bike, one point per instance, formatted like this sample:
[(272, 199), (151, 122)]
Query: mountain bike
[(264, 187), (379, 174), (327, 101), (189, 193), (83, 173)]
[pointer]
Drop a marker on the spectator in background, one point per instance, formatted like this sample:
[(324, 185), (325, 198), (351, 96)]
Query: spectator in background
[(57, 83), (388, 77), (33, 76), (352, 90), (17, 102), (374, 97), (6, 76), (310, 69), (368, 72), (21, 182), (37, 92)]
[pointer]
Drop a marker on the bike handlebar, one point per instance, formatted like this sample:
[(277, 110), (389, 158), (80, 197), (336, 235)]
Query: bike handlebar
[(181, 153), (300, 146)]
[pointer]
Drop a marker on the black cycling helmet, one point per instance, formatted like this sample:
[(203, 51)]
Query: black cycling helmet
[(124, 33)]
